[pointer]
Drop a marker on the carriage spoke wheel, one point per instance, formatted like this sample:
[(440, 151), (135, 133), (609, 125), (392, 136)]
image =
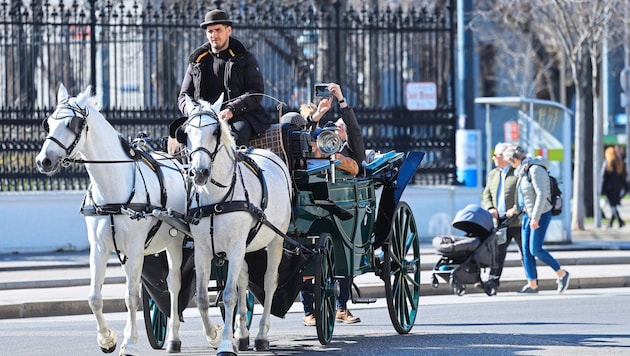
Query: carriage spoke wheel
[(155, 322), (401, 269), (324, 289)]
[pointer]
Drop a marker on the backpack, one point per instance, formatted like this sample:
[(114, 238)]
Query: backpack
[(555, 196)]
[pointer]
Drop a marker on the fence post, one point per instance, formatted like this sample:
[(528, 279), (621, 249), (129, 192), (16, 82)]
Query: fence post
[(93, 45), (338, 45)]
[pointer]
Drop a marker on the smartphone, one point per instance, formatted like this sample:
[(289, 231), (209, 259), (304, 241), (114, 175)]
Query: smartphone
[(321, 91)]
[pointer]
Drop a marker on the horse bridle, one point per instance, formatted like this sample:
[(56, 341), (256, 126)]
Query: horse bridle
[(217, 147), (77, 124)]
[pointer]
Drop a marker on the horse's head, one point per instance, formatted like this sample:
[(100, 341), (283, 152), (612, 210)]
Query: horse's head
[(65, 129), (205, 135)]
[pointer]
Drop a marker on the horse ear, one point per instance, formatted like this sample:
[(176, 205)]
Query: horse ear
[(84, 96), (62, 94), (217, 104), (190, 104)]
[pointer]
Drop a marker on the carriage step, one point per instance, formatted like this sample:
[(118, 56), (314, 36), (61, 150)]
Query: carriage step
[(363, 300)]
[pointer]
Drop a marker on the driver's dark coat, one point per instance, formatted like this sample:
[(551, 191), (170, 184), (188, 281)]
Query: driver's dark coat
[(241, 77)]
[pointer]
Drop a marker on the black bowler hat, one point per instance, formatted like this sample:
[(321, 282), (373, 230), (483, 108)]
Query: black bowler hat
[(216, 17)]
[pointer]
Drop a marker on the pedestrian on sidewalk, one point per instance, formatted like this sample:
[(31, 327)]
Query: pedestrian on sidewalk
[(533, 199), (613, 177), (497, 196)]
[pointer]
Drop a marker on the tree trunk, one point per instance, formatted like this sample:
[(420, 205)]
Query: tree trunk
[(598, 129), (577, 203)]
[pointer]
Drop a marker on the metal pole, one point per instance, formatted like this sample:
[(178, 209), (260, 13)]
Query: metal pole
[(627, 90)]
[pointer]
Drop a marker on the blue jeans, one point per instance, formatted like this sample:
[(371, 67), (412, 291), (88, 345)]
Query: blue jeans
[(533, 246), (306, 295)]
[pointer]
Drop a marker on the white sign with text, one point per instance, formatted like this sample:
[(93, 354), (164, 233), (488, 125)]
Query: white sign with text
[(421, 96)]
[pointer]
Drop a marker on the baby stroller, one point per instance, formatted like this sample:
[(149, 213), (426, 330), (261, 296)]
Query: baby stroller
[(463, 257)]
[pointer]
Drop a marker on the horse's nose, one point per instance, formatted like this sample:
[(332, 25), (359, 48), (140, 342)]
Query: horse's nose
[(44, 164), (200, 175)]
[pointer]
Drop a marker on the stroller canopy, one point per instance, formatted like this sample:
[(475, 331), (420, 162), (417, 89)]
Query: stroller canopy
[(474, 221)]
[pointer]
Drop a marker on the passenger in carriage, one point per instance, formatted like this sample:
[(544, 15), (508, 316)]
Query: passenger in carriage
[(351, 157), (223, 65)]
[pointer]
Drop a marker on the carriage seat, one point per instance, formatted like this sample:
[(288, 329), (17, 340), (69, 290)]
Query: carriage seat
[(288, 141), (271, 140)]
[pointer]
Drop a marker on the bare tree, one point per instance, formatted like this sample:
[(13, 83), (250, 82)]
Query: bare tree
[(575, 30)]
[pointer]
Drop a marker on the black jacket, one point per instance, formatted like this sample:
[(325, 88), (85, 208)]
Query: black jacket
[(356, 146), (242, 83)]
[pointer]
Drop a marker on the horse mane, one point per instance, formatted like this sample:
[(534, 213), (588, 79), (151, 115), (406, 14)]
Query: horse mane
[(93, 101), (226, 134)]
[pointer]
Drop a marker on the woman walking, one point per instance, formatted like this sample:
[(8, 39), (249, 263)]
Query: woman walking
[(613, 178), (533, 199)]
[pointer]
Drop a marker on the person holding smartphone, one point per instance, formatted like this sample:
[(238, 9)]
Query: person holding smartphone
[(351, 156)]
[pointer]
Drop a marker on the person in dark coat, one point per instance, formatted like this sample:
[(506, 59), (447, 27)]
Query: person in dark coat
[(613, 177), (224, 66)]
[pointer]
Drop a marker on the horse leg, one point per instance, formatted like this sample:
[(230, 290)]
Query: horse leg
[(202, 266), (106, 338), (274, 255), (174, 282), (133, 270), (236, 259), (241, 332)]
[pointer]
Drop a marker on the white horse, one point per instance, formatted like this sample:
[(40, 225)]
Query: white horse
[(237, 194), (126, 186)]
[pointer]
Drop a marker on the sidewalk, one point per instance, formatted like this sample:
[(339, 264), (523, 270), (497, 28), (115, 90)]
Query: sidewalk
[(36, 285)]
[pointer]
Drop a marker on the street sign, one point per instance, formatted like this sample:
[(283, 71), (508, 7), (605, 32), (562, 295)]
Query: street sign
[(421, 96)]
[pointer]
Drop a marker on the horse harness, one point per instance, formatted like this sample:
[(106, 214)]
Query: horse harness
[(227, 205), (135, 211), (77, 124)]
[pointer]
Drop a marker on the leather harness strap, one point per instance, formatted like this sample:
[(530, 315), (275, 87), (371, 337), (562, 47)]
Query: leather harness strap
[(134, 210), (194, 215)]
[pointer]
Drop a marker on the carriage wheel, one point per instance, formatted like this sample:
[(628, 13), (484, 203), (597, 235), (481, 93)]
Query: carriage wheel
[(155, 322), (250, 308), (324, 289), (401, 269)]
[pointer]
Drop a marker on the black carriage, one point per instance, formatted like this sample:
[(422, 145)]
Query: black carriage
[(337, 229)]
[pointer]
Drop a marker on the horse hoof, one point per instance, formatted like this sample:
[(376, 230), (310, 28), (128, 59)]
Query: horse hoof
[(174, 347), (108, 350), (226, 353), (261, 345), (216, 341), (243, 344), (107, 343)]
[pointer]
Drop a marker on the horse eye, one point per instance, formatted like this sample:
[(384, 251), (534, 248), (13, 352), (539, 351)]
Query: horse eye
[(45, 124)]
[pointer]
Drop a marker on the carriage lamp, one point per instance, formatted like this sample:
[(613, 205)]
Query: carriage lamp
[(328, 141)]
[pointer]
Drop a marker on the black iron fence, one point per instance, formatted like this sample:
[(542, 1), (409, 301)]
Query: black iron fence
[(135, 54)]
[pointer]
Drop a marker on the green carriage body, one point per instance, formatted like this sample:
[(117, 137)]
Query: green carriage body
[(346, 209)]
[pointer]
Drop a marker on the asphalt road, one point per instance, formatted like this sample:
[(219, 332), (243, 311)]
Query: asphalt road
[(579, 322)]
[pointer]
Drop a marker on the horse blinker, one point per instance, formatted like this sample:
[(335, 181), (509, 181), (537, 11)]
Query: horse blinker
[(181, 136)]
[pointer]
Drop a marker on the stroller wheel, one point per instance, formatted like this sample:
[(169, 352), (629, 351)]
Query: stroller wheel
[(435, 282)]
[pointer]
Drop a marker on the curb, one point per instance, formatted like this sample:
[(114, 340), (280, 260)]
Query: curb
[(117, 305)]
